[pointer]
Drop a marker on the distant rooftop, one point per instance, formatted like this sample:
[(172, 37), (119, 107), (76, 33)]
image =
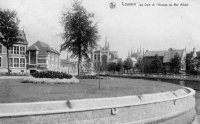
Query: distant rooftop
[(166, 54)]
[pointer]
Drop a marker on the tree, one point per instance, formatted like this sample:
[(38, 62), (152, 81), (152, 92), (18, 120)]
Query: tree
[(190, 63), (9, 30), (119, 66), (128, 64), (80, 33), (175, 64), (140, 65), (156, 64), (112, 66)]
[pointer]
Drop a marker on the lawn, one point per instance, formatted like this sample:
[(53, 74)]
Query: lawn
[(14, 91)]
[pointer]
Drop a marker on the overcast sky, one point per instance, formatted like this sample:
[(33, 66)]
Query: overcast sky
[(126, 27)]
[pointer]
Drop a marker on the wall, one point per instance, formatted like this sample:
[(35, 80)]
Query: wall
[(166, 107), (193, 83)]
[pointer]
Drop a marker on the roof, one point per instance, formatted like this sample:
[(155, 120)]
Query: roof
[(170, 54), (21, 36), (198, 53), (43, 48), (153, 53), (33, 47), (167, 55)]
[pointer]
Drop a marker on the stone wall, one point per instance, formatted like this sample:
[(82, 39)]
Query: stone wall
[(166, 107)]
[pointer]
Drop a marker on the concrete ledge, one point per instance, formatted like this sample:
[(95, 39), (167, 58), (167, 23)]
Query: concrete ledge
[(159, 107)]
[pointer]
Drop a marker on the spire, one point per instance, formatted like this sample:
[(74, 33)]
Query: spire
[(128, 54), (140, 49), (131, 51), (105, 42)]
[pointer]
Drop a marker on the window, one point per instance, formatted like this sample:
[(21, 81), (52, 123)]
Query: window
[(22, 62), (11, 62), (98, 57), (0, 61), (16, 49), (95, 57), (0, 48), (33, 57), (22, 50), (16, 62)]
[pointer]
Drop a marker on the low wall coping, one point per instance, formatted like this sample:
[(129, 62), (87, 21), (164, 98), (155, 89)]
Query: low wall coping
[(52, 107)]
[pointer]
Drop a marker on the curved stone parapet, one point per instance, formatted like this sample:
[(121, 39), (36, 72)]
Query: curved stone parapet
[(165, 107)]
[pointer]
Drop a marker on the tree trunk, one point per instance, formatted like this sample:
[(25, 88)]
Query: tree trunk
[(8, 61), (79, 61), (78, 64)]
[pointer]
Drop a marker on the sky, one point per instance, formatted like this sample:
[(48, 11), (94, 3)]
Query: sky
[(126, 27)]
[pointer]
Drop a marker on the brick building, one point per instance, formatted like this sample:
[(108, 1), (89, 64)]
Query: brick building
[(165, 57), (17, 55), (42, 57)]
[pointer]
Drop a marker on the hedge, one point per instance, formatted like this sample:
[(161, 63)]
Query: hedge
[(51, 74)]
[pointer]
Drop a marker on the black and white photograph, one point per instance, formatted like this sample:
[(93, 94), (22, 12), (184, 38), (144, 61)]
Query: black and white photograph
[(99, 61)]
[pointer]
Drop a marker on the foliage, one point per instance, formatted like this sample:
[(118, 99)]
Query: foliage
[(80, 33), (51, 74), (112, 66), (140, 65), (119, 66), (175, 64), (128, 64), (86, 66), (190, 64), (8, 30), (156, 64)]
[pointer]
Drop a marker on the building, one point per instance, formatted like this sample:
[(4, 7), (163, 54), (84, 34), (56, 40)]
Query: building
[(69, 67), (42, 57), (134, 56), (17, 55), (103, 56), (165, 57)]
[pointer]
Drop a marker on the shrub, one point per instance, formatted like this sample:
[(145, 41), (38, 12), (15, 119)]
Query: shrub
[(51, 74)]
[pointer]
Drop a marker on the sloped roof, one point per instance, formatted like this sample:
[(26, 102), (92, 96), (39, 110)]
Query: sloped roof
[(33, 47), (43, 48), (170, 54), (198, 53), (153, 53), (21, 36)]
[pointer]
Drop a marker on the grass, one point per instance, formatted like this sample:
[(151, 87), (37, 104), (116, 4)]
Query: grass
[(15, 91)]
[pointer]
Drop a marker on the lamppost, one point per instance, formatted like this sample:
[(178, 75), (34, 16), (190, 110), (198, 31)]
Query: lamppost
[(99, 73)]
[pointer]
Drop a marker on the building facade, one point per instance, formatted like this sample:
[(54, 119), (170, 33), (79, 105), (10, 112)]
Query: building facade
[(42, 57), (103, 56), (17, 56), (165, 56)]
